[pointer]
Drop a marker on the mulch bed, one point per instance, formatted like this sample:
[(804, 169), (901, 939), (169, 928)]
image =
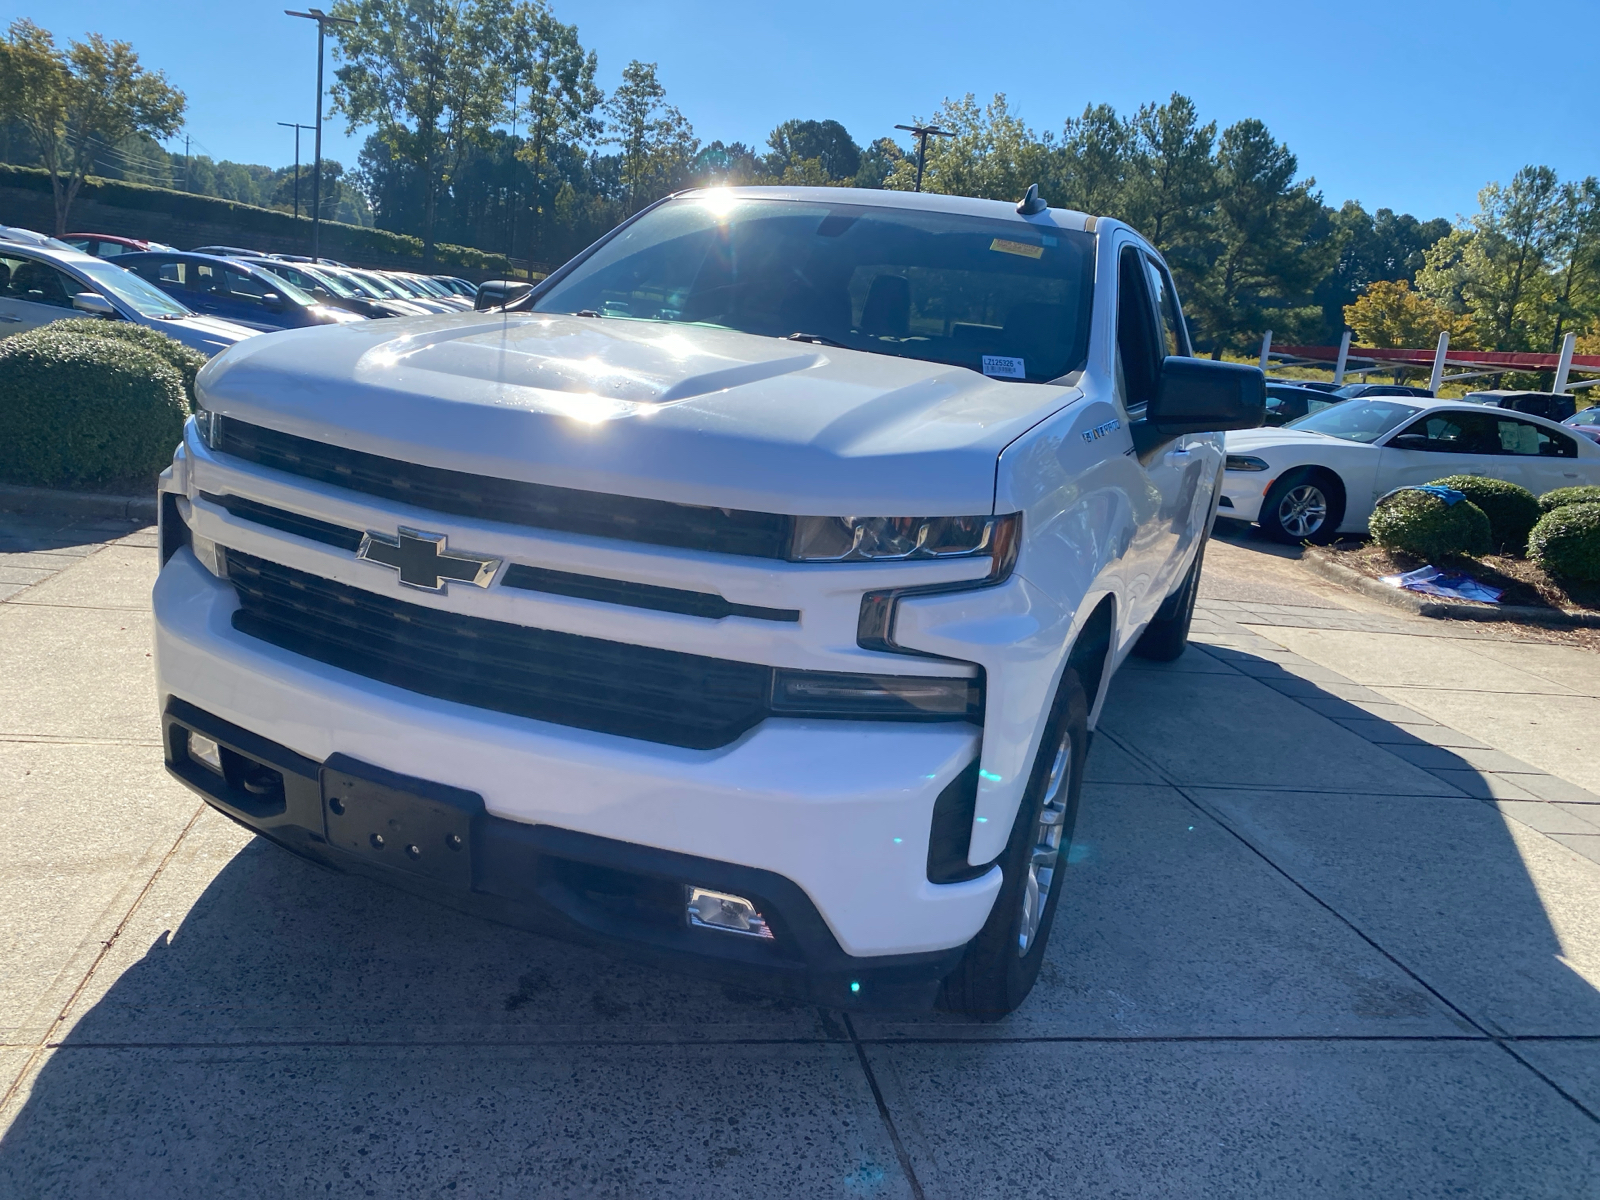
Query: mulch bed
[(1524, 583)]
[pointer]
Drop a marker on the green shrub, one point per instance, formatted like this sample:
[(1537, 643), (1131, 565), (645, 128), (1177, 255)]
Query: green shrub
[(1511, 508), (1561, 497), (1565, 544), (77, 410), (185, 360), (1422, 524)]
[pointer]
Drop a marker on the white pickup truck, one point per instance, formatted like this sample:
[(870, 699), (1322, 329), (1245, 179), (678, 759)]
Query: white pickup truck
[(741, 599)]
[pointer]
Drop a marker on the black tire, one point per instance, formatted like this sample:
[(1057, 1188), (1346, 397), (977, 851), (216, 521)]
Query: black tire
[(1000, 965), (1304, 506), (1167, 635)]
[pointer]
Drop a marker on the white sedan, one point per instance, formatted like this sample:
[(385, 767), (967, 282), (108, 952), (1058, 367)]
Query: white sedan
[(1321, 475)]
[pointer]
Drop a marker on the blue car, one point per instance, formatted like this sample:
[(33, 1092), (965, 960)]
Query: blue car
[(234, 291)]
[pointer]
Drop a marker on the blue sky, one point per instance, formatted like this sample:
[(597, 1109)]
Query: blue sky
[(1410, 104)]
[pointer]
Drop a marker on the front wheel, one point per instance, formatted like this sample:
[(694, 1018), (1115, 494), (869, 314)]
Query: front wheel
[(1303, 507), (1002, 963), (1167, 635)]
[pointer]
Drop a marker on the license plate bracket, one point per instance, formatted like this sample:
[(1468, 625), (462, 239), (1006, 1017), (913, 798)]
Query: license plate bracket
[(400, 822)]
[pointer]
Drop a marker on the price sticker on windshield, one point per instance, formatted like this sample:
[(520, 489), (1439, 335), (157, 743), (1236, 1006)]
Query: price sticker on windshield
[(1005, 246), (1000, 367)]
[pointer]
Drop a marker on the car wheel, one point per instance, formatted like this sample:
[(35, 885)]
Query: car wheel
[(1167, 636), (1303, 506), (1002, 962)]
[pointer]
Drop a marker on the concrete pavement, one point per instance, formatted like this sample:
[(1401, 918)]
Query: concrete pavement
[(1332, 928)]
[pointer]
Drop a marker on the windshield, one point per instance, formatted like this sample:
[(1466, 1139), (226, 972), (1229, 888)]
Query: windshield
[(138, 294), (1356, 420), (382, 286), (357, 286), (999, 296)]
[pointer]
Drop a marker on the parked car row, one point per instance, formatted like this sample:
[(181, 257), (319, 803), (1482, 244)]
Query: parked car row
[(207, 298)]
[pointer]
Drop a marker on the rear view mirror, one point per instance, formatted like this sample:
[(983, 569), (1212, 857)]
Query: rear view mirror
[(497, 293), (1198, 395), (1410, 441), (94, 304), (272, 302)]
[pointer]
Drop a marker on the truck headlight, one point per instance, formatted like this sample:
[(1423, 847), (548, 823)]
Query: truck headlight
[(209, 426), (1247, 462), (875, 539)]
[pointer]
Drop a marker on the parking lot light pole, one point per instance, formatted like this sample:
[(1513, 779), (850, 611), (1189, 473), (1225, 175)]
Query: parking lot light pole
[(923, 132), (1437, 377), (297, 127), (1344, 357), (1564, 363), (323, 20)]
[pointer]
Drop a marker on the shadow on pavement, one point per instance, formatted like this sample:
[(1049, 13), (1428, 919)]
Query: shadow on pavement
[(295, 1030)]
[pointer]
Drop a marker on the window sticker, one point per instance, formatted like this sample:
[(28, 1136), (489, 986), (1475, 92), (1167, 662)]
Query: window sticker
[(998, 366), (1009, 247)]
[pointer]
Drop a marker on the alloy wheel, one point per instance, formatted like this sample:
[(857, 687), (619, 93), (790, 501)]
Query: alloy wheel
[(1046, 854), (1302, 511)]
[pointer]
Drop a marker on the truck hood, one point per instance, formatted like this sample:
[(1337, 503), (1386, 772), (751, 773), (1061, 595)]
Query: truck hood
[(664, 411)]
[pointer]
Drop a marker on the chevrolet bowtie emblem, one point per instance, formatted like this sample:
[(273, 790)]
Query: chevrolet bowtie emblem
[(423, 562)]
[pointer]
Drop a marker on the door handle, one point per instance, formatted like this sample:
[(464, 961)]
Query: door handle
[(9, 317)]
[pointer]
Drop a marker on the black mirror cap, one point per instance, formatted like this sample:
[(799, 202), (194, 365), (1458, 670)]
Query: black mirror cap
[(496, 293), (1199, 395)]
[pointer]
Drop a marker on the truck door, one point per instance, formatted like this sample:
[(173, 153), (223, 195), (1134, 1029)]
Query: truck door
[(1169, 475)]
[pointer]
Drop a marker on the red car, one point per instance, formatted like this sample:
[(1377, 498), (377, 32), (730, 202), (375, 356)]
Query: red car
[(104, 245)]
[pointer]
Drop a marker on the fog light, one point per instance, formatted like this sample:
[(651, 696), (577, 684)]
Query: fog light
[(205, 752), (718, 910)]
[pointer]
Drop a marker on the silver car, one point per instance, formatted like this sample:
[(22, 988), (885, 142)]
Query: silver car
[(40, 284)]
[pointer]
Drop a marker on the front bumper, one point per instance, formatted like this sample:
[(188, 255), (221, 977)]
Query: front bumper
[(1242, 494), (837, 811)]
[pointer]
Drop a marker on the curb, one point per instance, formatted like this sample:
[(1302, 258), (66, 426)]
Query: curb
[(1449, 610), (51, 502)]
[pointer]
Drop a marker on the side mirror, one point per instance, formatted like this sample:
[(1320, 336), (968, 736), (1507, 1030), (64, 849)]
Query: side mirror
[(94, 304), (1198, 395), (497, 293), (1410, 441), (272, 302)]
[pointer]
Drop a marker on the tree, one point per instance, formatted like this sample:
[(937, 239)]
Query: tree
[(733, 163), (1575, 257), (1267, 241), (1173, 180), (1496, 266), (793, 142), (657, 144), (71, 104), (878, 163), (1091, 168), (429, 75), (1390, 314), (551, 64)]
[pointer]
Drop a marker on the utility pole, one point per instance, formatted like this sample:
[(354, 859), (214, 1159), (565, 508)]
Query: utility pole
[(297, 128), (923, 132), (513, 248), (323, 20), (186, 186)]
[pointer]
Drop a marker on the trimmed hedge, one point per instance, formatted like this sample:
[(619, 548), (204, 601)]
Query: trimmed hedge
[(1561, 497), (1565, 544), (78, 410), (339, 240), (185, 360), (1422, 524), (1511, 508)]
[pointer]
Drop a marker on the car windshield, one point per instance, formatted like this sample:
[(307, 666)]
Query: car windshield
[(999, 296), (358, 287), (144, 297), (1589, 416), (382, 286), (1356, 420)]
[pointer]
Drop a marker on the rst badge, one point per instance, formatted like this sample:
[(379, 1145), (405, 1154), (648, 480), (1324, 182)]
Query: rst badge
[(1100, 431), (423, 562)]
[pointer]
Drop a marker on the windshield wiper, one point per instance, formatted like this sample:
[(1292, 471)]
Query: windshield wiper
[(815, 338)]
